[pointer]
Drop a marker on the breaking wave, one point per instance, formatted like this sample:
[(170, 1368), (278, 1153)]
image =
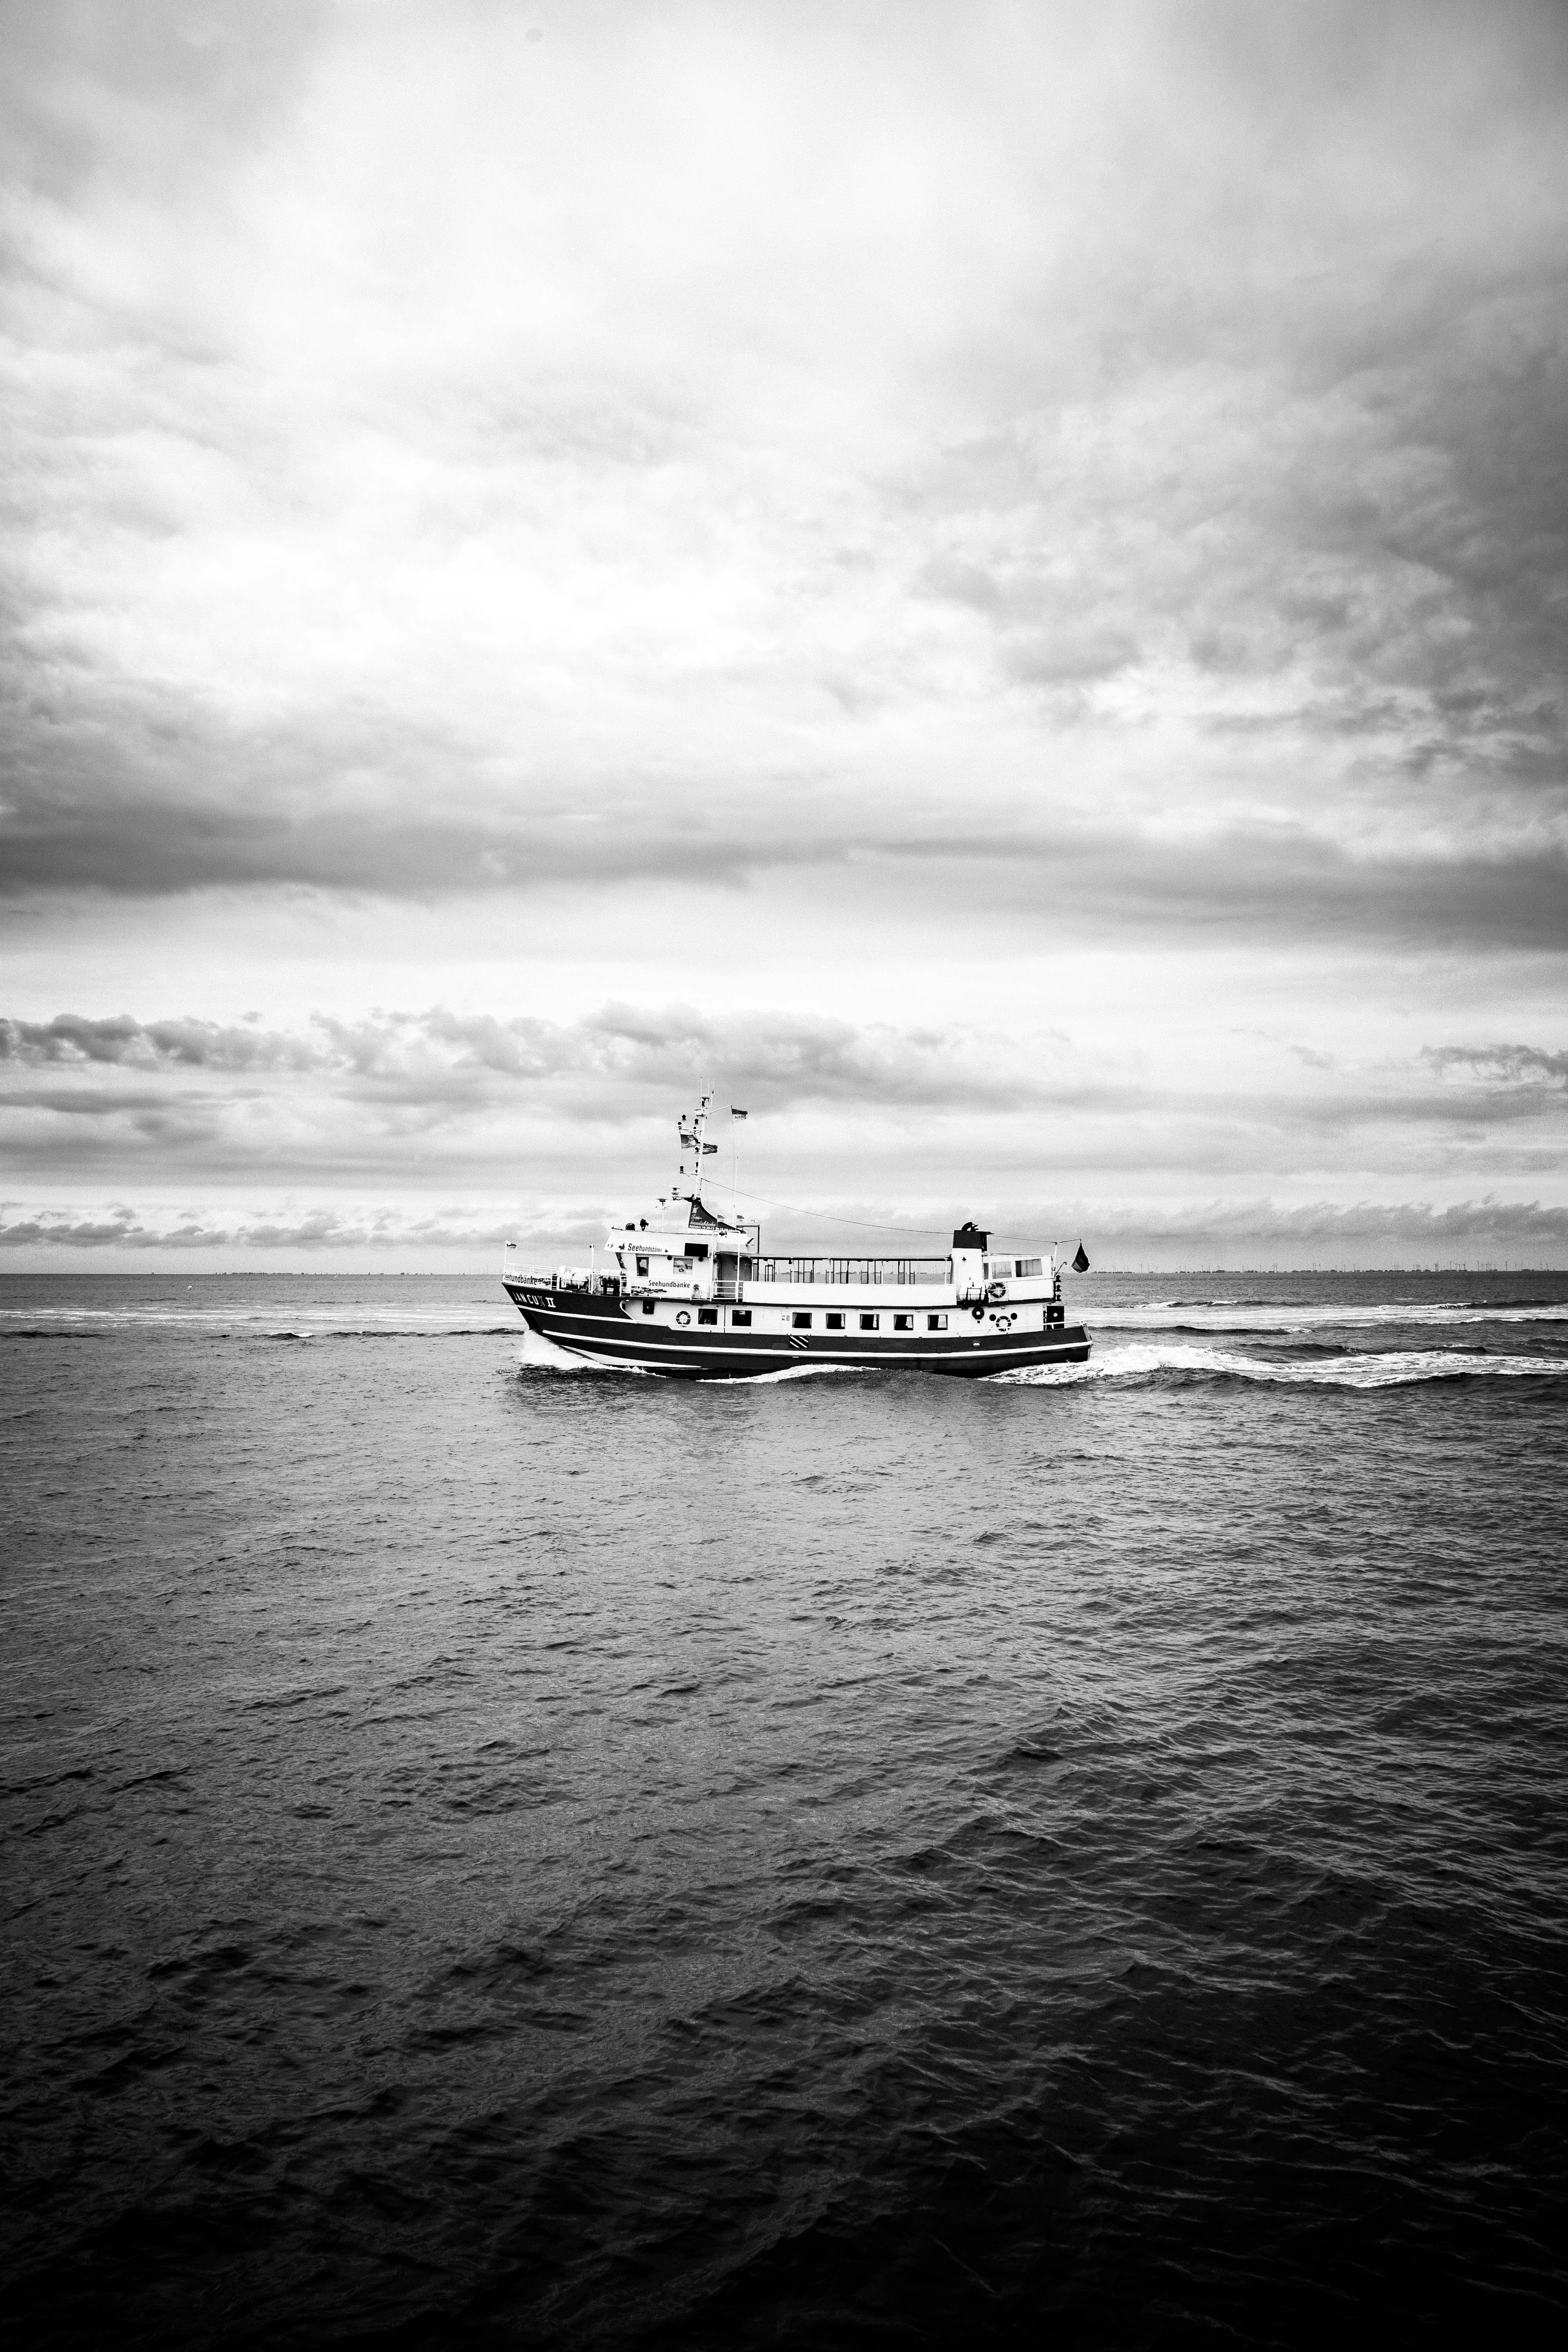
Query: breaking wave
[(1268, 1315), (1387, 1368)]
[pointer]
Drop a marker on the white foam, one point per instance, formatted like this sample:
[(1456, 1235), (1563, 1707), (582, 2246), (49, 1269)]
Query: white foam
[(1254, 1315), (1391, 1367), (535, 1353)]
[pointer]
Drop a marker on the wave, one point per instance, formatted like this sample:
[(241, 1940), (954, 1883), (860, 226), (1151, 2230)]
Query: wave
[(379, 1331), (87, 1327), (1485, 1306), (538, 1354), (1389, 1368), (1263, 1315), (1153, 1335), (1133, 1360), (535, 1353), (360, 1312)]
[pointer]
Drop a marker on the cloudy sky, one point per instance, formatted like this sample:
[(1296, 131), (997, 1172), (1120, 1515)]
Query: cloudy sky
[(991, 581)]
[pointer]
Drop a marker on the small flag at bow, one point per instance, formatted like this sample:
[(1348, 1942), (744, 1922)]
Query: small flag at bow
[(736, 1114), (1080, 1263)]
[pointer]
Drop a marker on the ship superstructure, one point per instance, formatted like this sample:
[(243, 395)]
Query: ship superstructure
[(691, 1292)]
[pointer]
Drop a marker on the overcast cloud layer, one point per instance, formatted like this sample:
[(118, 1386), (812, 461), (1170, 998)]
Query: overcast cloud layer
[(993, 581)]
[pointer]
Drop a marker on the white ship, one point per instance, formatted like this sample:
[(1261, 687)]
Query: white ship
[(691, 1292)]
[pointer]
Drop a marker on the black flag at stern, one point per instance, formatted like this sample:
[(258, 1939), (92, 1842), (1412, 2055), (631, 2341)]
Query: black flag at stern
[(1080, 1263)]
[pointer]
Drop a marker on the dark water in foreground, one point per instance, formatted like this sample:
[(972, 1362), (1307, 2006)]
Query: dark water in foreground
[(503, 1855)]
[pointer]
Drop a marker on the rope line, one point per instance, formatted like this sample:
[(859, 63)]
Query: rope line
[(861, 1225)]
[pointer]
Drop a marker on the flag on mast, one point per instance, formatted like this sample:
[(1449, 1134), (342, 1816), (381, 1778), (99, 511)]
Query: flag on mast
[(1080, 1263), (736, 1114)]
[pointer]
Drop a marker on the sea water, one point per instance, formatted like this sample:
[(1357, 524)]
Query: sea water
[(503, 1853)]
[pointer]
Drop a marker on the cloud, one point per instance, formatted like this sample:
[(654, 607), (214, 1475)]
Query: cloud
[(1422, 1231), (1502, 1064), (1242, 876), (776, 1058), (316, 1231), (889, 1122), (919, 564), (1190, 1232), (69, 1041), (637, 1059), (1122, 456)]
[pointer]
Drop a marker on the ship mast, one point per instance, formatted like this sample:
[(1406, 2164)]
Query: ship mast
[(690, 1128)]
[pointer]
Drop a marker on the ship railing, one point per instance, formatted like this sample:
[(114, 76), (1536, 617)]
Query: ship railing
[(564, 1277), (888, 1271)]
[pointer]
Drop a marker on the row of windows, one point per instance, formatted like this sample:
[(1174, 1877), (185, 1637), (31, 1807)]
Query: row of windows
[(740, 1319), (801, 1322)]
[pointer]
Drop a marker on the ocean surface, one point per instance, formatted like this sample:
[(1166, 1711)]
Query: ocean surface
[(505, 1855)]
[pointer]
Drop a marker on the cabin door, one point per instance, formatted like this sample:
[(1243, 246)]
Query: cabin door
[(726, 1274)]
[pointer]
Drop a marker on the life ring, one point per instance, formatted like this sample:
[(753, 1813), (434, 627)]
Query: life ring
[(996, 1290), (683, 1316), (1003, 1322)]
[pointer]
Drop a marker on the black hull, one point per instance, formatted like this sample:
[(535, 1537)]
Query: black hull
[(601, 1330)]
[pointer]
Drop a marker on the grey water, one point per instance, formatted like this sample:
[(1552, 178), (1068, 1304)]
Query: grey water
[(504, 1854)]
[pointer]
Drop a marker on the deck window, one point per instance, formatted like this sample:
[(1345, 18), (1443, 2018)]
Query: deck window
[(642, 1266), (870, 1322), (936, 1322), (707, 1314), (1028, 1268), (800, 1322), (903, 1322), (835, 1322), (741, 1317)]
